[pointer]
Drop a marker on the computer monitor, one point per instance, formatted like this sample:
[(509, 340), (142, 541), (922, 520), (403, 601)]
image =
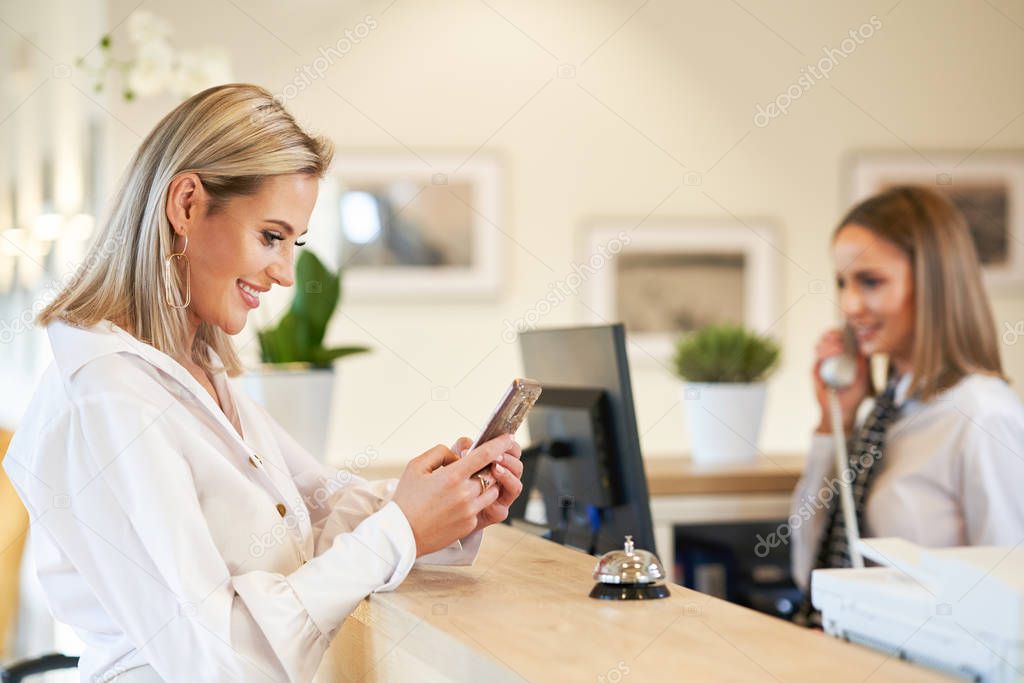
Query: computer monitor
[(584, 452)]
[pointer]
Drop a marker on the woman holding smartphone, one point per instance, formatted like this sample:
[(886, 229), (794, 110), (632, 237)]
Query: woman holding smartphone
[(938, 453), (176, 526)]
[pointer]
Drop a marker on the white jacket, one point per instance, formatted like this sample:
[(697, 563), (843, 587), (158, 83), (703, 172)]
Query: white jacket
[(165, 538), (951, 474)]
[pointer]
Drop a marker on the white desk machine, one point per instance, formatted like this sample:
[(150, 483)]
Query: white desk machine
[(959, 610)]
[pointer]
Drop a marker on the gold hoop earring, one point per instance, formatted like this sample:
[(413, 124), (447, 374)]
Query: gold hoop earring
[(168, 288)]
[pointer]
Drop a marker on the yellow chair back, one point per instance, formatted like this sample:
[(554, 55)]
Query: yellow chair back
[(13, 529)]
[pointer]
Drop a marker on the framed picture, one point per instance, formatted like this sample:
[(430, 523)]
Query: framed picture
[(987, 187), (663, 279), (402, 227)]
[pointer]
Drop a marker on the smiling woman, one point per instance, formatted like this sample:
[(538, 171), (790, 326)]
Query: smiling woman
[(910, 287), (231, 168), (176, 526), (236, 253), (934, 458)]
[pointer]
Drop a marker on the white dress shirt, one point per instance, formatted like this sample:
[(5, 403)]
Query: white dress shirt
[(951, 474), (165, 537)]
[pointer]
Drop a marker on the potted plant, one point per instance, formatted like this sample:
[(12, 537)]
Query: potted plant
[(296, 380), (724, 368)]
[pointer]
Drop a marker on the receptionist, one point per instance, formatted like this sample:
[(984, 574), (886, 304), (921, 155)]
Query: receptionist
[(938, 452)]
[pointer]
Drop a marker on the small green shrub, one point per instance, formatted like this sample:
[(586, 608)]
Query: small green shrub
[(299, 336), (724, 353)]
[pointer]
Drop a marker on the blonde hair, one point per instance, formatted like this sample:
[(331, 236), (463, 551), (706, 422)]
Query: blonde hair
[(233, 136), (954, 330)]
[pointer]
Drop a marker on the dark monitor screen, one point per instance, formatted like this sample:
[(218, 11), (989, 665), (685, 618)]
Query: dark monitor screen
[(590, 472), (569, 464)]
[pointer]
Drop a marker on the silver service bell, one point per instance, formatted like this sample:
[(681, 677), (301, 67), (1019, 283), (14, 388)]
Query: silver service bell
[(629, 574)]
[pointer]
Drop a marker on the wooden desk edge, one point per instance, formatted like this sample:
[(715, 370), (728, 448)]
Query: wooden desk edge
[(680, 476), (398, 634)]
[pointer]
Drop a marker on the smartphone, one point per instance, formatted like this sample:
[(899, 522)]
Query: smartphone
[(515, 403)]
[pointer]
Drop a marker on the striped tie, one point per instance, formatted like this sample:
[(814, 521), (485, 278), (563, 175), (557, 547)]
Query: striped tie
[(864, 452)]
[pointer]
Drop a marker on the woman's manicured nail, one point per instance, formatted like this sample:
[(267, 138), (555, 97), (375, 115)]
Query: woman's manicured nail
[(499, 469), (499, 458)]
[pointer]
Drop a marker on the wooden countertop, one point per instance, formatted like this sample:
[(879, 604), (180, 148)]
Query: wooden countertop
[(521, 612), (677, 476)]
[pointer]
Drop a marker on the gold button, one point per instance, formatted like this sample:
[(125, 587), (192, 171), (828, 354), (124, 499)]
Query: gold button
[(252, 460), (281, 509)]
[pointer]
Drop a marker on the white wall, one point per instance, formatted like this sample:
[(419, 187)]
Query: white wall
[(43, 117), (676, 81)]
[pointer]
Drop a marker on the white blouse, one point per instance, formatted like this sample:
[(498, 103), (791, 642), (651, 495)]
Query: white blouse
[(164, 537), (951, 474)]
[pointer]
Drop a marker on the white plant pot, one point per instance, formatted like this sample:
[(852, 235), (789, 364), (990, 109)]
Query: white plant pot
[(299, 397), (724, 420)]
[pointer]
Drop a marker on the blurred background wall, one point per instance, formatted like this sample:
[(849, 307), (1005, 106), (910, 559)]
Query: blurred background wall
[(641, 113), (636, 111)]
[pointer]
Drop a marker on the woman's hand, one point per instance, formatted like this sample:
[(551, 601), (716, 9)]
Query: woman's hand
[(831, 344), (440, 497), (507, 474)]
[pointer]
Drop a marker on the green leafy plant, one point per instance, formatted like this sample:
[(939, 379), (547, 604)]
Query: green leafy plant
[(725, 353), (299, 336)]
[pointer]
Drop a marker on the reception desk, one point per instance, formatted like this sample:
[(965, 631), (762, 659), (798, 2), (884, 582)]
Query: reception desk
[(684, 492), (521, 612)]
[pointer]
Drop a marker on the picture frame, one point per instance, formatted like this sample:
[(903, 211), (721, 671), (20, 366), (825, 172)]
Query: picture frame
[(987, 186), (404, 226), (704, 265)]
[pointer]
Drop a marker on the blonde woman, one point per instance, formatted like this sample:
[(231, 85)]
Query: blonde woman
[(938, 453), (181, 532)]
